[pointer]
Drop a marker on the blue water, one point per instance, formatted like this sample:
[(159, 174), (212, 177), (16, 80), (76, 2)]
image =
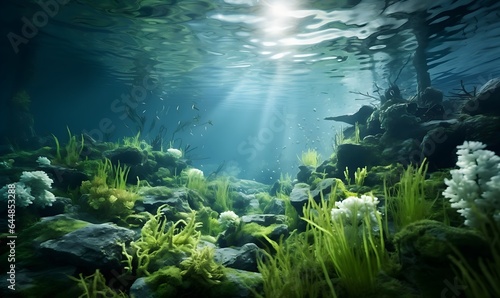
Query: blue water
[(245, 82)]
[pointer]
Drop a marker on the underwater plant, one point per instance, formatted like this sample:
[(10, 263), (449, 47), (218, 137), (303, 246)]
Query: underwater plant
[(406, 202), (229, 219), (294, 270), (474, 189), (107, 194), (95, 285), (360, 175), (33, 188), (310, 158), (72, 150), (354, 245), (159, 239), (196, 181), (223, 201), (202, 268)]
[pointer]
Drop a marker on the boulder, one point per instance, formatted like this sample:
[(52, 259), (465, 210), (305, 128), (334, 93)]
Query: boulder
[(243, 258), (487, 100), (96, 246)]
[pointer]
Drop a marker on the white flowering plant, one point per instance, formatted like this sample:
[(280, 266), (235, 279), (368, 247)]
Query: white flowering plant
[(229, 219), (474, 187)]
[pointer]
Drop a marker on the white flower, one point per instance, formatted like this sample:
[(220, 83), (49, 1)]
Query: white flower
[(353, 210), (175, 152), (43, 161), (474, 188), (192, 172), (228, 219)]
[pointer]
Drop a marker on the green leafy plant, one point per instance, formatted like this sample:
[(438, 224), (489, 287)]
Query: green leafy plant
[(72, 150), (406, 202), (310, 157), (294, 270), (196, 181), (357, 252), (159, 239), (107, 193), (360, 175), (223, 200), (201, 267), (481, 280), (94, 286)]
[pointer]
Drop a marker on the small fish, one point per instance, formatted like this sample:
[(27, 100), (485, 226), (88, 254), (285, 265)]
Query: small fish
[(177, 108), (194, 107)]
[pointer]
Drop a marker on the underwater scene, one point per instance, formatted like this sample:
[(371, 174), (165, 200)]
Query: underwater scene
[(250, 148)]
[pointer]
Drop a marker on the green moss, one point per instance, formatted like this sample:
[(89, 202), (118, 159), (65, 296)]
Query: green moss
[(165, 282), (155, 191), (201, 267), (257, 230)]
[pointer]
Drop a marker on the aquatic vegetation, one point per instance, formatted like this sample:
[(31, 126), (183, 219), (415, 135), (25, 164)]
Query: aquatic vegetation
[(136, 142), (474, 188), (202, 268), (72, 150), (209, 223), (347, 177), (481, 280), (107, 194), (159, 239), (223, 200), (95, 285), (166, 281), (196, 181), (339, 137), (406, 201), (294, 270), (33, 188), (311, 158), (360, 175), (175, 152), (356, 252), (229, 219)]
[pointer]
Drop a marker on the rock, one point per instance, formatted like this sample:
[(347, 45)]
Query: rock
[(359, 117), (299, 196), (237, 284), (430, 97), (248, 186), (64, 178), (439, 144), (397, 121), (243, 258), (487, 100), (246, 203), (304, 173), (276, 206), (126, 155), (424, 248), (29, 282), (96, 246), (354, 156), (141, 289), (324, 187), (57, 207), (178, 200), (264, 219)]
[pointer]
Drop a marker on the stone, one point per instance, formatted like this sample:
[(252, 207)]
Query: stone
[(299, 197), (243, 258), (96, 246), (264, 219), (487, 100)]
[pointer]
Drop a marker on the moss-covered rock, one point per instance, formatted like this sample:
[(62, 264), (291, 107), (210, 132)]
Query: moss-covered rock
[(424, 248)]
